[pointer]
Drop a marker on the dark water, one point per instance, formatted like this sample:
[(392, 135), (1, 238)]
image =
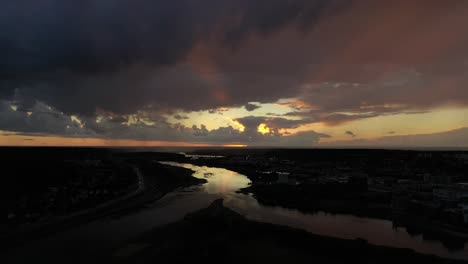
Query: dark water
[(105, 235)]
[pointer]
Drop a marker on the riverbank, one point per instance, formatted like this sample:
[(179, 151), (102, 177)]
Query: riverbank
[(218, 233), (451, 237), (58, 222), (373, 204), (155, 181)]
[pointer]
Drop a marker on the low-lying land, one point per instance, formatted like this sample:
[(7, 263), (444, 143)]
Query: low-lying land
[(222, 235), (52, 189)]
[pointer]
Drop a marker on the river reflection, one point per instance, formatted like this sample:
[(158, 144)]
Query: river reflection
[(376, 231), (220, 181)]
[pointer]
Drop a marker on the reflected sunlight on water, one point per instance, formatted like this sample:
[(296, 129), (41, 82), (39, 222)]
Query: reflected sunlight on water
[(225, 183)]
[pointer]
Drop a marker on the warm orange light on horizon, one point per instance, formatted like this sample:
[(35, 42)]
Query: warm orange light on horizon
[(235, 146), (12, 139)]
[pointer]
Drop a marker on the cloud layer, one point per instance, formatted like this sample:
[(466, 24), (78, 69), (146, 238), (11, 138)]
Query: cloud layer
[(47, 121), (121, 61), (124, 55)]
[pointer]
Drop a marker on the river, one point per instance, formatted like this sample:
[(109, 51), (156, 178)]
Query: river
[(104, 235)]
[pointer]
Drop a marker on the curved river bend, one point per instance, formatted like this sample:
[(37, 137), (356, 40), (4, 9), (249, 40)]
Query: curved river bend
[(105, 234)]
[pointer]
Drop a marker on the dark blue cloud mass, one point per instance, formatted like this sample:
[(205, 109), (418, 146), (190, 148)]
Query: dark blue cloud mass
[(42, 35), (74, 54)]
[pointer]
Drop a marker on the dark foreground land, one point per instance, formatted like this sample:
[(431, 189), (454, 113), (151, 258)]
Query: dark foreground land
[(218, 234), (48, 190)]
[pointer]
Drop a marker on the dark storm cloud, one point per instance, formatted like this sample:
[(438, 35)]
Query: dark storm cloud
[(392, 56), (121, 56), (404, 90), (89, 36), (74, 54), (40, 35), (42, 120)]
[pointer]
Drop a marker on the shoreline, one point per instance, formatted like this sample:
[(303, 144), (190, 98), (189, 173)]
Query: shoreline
[(148, 191), (338, 206), (231, 236), (378, 212)]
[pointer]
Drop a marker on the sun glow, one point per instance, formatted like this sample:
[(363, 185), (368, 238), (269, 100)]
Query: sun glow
[(263, 129), (235, 145), (238, 125)]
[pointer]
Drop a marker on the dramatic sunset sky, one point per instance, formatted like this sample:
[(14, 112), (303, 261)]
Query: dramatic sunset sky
[(299, 73)]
